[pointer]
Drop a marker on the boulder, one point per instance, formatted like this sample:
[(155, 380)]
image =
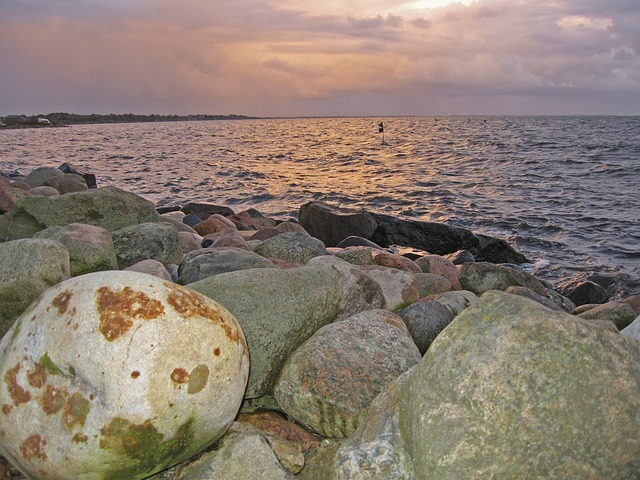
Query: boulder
[(89, 178), (90, 248), (512, 389), (189, 242), (107, 207), (43, 191), (432, 284), (38, 176), (582, 292), (206, 262), (441, 239), (354, 241), (356, 255), (620, 314), (528, 293), (330, 380), (252, 219), (394, 260), (230, 237), (67, 183), (425, 320), (278, 311), (195, 208), (177, 222), (293, 246), (243, 453), (7, 197), (460, 257), (399, 288), (158, 241), (457, 301), (211, 225), (151, 267), (118, 375), (480, 277), (332, 224), (440, 266), (28, 267), (633, 329), (633, 301), (360, 292)]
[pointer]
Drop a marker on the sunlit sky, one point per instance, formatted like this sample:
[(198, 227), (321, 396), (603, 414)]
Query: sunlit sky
[(324, 58)]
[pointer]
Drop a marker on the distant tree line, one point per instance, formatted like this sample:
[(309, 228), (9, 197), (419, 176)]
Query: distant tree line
[(62, 118)]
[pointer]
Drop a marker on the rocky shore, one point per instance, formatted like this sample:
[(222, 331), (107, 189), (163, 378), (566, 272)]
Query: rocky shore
[(197, 342)]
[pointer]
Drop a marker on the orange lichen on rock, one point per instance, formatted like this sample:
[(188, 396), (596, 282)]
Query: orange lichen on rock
[(18, 394), (33, 447), (38, 376), (52, 400), (189, 303), (75, 410), (180, 375), (118, 310)]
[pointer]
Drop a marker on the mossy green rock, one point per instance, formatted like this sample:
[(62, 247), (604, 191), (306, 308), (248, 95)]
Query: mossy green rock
[(117, 375), (278, 311), (511, 389), (28, 267), (107, 207)]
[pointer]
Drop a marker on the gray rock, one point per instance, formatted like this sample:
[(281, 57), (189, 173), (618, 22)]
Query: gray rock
[(530, 294), (356, 255), (330, 380), (293, 246), (189, 242), (40, 175), (512, 389), (107, 207), (332, 224), (480, 277), (177, 222), (400, 288), (243, 454), (44, 191), (28, 267), (432, 284), (67, 183), (359, 291), (354, 241), (206, 262), (158, 241), (633, 329), (425, 320), (90, 248), (457, 302), (278, 311), (118, 375), (620, 314)]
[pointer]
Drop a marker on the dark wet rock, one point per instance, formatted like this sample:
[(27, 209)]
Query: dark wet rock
[(107, 207), (460, 257), (332, 224), (442, 239), (158, 241), (200, 264), (330, 380), (191, 220), (354, 241), (582, 292), (480, 277), (196, 208), (425, 320)]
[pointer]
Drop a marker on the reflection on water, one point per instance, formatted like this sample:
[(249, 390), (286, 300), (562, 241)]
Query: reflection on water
[(563, 188)]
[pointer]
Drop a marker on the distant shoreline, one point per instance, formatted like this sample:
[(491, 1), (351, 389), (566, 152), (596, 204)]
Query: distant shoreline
[(68, 119)]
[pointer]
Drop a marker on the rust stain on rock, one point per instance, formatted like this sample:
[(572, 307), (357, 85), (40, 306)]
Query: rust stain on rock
[(6, 409), (118, 310), (33, 447), (18, 394), (52, 400), (189, 304), (38, 376), (61, 302), (135, 374), (180, 375), (80, 438), (198, 379)]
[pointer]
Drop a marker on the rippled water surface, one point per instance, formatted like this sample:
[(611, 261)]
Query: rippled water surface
[(564, 190)]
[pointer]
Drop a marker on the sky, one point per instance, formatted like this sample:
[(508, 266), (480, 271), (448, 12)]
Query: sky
[(320, 57)]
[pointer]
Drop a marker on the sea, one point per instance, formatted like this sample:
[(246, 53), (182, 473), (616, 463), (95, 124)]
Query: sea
[(563, 190)]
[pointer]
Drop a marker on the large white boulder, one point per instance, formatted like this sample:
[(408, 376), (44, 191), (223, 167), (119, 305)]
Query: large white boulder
[(118, 375)]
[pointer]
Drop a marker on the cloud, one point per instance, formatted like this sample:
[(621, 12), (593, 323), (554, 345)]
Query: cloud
[(269, 57)]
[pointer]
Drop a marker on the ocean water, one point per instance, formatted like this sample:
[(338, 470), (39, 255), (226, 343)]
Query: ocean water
[(562, 190)]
